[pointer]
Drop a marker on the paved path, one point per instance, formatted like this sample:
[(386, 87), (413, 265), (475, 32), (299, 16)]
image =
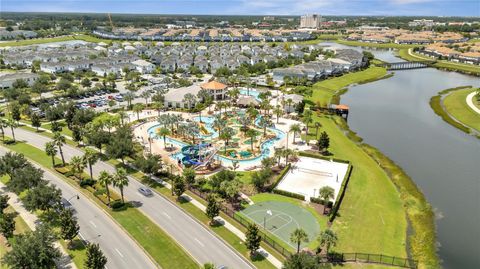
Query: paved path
[(197, 240), (470, 102), (65, 262), (97, 227)]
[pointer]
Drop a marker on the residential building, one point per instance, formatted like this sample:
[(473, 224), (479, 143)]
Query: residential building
[(7, 79), (310, 21)]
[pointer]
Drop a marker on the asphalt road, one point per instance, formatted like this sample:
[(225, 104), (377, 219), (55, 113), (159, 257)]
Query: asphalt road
[(96, 227), (195, 238)]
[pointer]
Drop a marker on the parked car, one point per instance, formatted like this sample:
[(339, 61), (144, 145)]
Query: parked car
[(145, 191)]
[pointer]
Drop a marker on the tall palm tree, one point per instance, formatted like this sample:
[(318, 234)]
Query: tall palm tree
[(294, 128), (317, 126), (3, 124), (146, 95), (120, 180), (226, 135), (59, 141), (105, 179), (90, 158), (298, 236), (278, 112), (278, 154), (163, 132), (252, 134), (326, 193), (78, 164), (123, 116), (137, 108), (327, 239), (129, 96), (307, 119), (189, 99), (286, 154), (12, 124), (51, 151), (264, 123)]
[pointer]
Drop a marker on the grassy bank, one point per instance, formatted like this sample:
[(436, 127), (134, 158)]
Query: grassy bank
[(325, 90), (441, 64), (374, 45), (454, 110), (380, 197), (159, 245)]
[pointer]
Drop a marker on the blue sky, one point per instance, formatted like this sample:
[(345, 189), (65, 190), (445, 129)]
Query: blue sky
[(253, 7)]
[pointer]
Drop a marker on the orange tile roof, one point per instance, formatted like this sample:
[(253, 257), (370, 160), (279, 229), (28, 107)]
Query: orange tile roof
[(213, 85)]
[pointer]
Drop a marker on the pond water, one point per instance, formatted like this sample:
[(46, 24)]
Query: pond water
[(394, 115)]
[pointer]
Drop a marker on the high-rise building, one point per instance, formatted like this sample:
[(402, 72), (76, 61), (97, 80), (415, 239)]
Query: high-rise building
[(310, 21)]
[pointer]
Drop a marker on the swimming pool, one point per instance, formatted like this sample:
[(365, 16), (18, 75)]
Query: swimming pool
[(250, 92)]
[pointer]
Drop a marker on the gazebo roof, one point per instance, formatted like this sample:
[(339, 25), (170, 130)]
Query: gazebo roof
[(213, 85)]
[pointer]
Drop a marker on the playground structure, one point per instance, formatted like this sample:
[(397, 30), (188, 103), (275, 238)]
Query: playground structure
[(198, 155)]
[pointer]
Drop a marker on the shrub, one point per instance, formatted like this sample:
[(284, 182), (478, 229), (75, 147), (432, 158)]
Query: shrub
[(289, 194), (118, 205), (87, 182), (279, 177)]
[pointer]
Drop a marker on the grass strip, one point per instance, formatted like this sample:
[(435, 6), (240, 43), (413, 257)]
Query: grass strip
[(159, 245), (374, 45)]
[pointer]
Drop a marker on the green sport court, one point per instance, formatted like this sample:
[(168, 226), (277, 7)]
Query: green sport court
[(285, 218)]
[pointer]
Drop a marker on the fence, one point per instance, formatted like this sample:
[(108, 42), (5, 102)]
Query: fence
[(331, 258), (244, 222), (371, 258)]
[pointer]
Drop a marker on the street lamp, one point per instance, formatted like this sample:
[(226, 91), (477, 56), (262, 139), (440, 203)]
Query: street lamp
[(269, 212), (76, 195)]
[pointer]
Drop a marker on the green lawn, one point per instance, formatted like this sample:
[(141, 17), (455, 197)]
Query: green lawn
[(324, 90), (404, 54), (65, 130), (456, 105), (35, 41), (48, 134), (374, 45), (164, 250)]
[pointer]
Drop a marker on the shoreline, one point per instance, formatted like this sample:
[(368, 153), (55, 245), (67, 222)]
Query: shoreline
[(421, 231)]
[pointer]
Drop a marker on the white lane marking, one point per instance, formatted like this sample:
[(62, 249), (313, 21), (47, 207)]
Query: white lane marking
[(200, 243), (166, 215), (81, 236), (93, 224), (119, 253)]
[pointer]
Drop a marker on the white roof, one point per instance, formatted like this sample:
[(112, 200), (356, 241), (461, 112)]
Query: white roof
[(176, 95), (129, 48), (160, 44), (103, 44), (338, 61), (141, 62), (99, 48)]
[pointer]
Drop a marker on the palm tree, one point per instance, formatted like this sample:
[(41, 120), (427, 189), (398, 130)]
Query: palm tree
[(278, 154), (327, 239), (307, 119), (78, 164), (123, 116), (317, 126), (264, 123), (12, 124), (137, 108), (51, 151), (326, 193), (233, 94), (289, 103), (295, 128), (120, 180), (163, 132), (105, 179), (286, 154), (189, 99), (59, 141), (90, 157), (129, 98), (278, 112), (226, 135), (252, 134), (218, 124), (145, 95), (298, 236), (3, 124)]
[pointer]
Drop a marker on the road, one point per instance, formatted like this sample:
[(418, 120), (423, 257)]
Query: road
[(195, 238), (95, 226)]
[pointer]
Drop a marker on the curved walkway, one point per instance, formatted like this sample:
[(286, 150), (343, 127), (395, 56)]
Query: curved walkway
[(470, 102)]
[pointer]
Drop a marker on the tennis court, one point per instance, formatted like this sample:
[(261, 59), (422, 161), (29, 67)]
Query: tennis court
[(282, 218)]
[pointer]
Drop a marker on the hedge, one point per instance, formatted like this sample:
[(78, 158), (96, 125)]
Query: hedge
[(280, 177), (320, 201), (318, 156), (289, 194), (339, 199)]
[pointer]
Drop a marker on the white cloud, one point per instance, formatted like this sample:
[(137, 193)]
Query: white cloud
[(282, 7), (407, 2)]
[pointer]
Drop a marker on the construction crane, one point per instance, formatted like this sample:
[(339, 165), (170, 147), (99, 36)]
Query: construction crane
[(111, 22)]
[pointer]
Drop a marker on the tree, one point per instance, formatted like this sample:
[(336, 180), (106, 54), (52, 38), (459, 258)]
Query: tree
[(121, 144), (327, 239), (326, 193), (95, 258), (189, 175), (51, 150), (137, 108), (163, 132), (317, 126), (3, 203), (145, 95), (307, 119), (323, 142), (63, 85), (25, 177), (105, 179), (178, 187), (251, 133), (43, 197), (190, 99), (252, 238), (213, 208), (7, 224), (226, 135), (259, 179), (78, 164), (278, 112), (69, 227), (33, 250), (90, 158), (302, 260), (298, 236), (36, 121), (59, 141), (295, 128), (12, 124), (120, 180)]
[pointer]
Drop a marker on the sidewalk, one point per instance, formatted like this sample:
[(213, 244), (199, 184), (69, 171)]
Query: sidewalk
[(29, 218)]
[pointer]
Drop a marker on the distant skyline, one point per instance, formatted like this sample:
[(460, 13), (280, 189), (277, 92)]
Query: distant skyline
[(253, 7)]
